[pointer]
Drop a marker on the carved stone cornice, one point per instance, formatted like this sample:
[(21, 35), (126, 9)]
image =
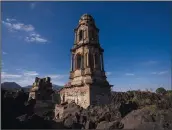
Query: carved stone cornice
[(87, 44)]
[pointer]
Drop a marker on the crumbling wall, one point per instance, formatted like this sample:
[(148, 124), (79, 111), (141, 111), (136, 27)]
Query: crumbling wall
[(80, 95), (32, 95), (41, 89), (59, 111), (99, 94)]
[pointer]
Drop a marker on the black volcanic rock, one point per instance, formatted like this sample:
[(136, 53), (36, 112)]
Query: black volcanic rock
[(110, 125), (10, 86), (124, 111), (12, 107), (147, 119)]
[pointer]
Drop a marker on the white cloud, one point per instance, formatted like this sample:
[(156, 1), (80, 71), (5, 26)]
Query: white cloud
[(22, 27), (129, 74), (108, 73), (26, 80), (30, 73), (159, 73), (10, 20), (18, 26), (35, 38), (9, 76), (31, 35), (25, 77), (9, 25)]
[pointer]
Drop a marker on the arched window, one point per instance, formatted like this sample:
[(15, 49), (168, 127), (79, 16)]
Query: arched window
[(78, 61), (80, 35), (86, 60)]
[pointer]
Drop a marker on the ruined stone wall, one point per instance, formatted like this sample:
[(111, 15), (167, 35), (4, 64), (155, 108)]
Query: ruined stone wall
[(58, 111), (41, 89), (78, 94), (32, 95), (99, 94)]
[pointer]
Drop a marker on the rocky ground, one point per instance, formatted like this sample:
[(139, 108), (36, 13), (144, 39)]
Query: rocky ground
[(129, 110)]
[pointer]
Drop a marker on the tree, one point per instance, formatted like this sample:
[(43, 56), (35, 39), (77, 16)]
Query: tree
[(161, 90)]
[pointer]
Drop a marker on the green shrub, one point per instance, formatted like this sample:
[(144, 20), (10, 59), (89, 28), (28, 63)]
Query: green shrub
[(135, 99), (152, 108), (147, 101), (161, 90)]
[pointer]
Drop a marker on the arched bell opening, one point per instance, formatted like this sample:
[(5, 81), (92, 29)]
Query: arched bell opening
[(78, 61)]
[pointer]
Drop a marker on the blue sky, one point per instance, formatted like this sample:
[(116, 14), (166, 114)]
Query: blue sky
[(37, 37)]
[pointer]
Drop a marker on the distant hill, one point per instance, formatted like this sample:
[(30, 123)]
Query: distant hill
[(14, 86), (55, 87), (10, 86)]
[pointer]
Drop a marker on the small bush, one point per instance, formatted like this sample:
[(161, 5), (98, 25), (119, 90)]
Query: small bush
[(161, 90), (152, 108), (147, 101), (135, 99)]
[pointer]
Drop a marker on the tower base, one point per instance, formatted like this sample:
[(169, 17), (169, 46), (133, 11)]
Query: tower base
[(86, 95)]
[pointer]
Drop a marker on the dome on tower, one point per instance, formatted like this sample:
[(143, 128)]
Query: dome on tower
[(86, 19)]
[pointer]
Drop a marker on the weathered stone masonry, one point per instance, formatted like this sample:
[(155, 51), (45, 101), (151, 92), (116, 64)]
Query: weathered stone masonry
[(41, 89), (88, 84)]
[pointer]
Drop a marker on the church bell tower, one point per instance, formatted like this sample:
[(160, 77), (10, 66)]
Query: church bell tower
[(88, 84)]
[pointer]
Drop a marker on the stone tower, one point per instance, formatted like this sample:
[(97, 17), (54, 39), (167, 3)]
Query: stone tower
[(88, 84)]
